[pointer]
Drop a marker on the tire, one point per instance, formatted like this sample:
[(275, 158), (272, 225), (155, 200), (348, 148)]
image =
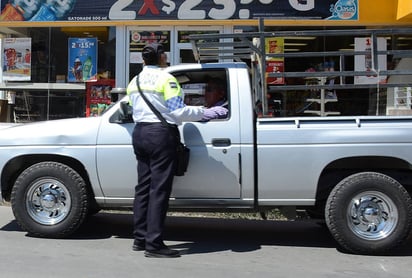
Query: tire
[(369, 213), (49, 199)]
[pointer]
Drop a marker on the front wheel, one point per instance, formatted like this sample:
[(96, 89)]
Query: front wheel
[(49, 199), (369, 213)]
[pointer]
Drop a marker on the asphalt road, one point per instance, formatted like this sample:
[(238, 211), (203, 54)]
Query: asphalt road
[(211, 248)]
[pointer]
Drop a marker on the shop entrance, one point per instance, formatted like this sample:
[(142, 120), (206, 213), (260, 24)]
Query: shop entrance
[(174, 40)]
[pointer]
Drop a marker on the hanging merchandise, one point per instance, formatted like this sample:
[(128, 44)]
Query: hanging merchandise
[(82, 60)]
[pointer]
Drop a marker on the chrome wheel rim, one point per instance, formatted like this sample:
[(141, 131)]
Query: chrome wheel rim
[(48, 201), (372, 215)]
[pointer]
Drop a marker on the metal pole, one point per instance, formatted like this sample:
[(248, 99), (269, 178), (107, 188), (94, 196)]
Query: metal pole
[(263, 67)]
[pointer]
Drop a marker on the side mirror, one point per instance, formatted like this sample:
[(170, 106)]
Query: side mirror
[(123, 115), (117, 94)]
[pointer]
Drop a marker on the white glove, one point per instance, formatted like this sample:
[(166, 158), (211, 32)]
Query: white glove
[(216, 112)]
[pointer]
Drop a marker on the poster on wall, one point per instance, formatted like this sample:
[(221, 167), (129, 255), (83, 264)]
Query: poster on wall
[(138, 39), (2, 60), (365, 62), (82, 59), (275, 64), (16, 59), (106, 10)]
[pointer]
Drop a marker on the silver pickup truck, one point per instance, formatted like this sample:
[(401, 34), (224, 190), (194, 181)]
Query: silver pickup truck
[(353, 171)]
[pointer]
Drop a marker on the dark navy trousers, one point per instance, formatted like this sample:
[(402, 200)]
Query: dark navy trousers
[(155, 148)]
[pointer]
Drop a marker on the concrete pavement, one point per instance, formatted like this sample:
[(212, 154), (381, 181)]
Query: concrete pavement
[(210, 247)]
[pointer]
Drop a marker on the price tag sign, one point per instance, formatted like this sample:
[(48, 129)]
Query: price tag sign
[(82, 59)]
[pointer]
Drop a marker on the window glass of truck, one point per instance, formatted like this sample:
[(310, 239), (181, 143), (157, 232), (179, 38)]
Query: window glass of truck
[(194, 85)]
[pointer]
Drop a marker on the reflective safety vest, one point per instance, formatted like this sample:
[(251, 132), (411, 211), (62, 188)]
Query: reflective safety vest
[(164, 92)]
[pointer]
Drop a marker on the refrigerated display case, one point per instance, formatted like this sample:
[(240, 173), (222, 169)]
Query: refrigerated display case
[(98, 96)]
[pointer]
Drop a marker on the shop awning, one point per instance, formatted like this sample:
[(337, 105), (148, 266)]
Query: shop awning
[(404, 10)]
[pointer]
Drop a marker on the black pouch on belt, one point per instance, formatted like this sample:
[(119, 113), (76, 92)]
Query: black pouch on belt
[(182, 159)]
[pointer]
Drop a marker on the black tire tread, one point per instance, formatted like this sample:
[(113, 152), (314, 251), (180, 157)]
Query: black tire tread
[(331, 207), (76, 220)]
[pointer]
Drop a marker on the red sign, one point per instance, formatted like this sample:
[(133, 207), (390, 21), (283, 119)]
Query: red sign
[(275, 67), (98, 96)]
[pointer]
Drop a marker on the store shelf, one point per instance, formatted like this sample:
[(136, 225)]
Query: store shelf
[(319, 113), (402, 97), (42, 86), (38, 105), (323, 99), (318, 100)]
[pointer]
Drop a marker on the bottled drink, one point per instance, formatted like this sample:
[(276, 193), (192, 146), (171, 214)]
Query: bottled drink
[(87, 68), (20, 10), (52, 10), (61, 8)]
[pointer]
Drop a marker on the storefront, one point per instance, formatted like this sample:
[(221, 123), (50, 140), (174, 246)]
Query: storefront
[(61, 58)]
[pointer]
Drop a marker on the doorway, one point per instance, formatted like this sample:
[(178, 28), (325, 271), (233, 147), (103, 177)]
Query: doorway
[(174, 40)]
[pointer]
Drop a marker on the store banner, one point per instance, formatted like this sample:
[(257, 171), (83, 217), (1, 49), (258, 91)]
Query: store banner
[(104, 10), (82, 59), (16, 59), (365, 62)]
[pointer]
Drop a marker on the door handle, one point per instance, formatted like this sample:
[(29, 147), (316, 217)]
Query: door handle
[(221, 142)]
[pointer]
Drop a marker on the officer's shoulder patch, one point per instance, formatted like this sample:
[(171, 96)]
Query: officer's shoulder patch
[(173, 85)]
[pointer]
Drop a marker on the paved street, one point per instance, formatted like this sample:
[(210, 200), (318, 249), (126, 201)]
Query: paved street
[(210, 247)]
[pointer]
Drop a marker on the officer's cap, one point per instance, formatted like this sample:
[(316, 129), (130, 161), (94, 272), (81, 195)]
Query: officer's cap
[(151, 53)]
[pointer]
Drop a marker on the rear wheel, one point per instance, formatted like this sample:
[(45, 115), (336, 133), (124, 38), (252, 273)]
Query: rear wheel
[(49, 199), (369, 213)]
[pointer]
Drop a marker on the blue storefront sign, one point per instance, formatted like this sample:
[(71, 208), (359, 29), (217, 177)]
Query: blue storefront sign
[(107, 10), (82, 59)]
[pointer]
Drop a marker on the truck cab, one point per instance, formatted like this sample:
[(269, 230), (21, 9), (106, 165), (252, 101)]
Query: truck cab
[(223, 147)]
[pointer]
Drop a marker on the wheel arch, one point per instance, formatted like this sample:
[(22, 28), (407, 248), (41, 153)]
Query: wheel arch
[(18, 164), (337, 170)]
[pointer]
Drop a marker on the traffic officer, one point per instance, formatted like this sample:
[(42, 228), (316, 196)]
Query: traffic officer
[(155, 148)]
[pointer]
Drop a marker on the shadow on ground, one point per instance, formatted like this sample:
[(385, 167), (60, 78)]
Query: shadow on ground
[(206, 235)]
